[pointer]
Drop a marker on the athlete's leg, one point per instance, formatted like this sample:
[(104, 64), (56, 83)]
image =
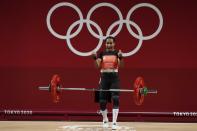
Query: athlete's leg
[(103, 99), (115, 98)]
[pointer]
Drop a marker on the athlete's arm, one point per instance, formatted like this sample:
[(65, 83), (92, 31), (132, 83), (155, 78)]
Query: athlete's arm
[(98, 62), (120, 59), (97, 59), (120, 62)]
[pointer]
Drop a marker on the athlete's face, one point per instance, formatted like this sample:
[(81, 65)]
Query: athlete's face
[(110, 43)]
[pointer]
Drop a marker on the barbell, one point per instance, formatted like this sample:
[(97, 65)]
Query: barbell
[(139, 91)]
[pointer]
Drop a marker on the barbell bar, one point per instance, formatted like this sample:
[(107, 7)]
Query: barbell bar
[(47, 88)]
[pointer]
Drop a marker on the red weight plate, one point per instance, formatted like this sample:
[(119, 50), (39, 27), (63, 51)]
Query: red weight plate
[(55, 83), (138, 84)]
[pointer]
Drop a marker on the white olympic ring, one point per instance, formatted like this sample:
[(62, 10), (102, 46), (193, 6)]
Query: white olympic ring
[(101, 5), (101, 36)]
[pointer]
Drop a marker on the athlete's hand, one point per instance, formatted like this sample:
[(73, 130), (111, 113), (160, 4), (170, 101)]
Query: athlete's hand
[(94, 55), (120, 54)]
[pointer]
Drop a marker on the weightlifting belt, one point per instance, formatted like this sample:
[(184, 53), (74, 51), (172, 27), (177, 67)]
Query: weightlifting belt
[(108, 70)]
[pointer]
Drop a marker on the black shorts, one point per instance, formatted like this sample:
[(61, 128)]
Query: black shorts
[(108, 81)]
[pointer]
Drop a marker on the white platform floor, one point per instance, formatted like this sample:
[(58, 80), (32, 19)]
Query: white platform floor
[(92, 126)]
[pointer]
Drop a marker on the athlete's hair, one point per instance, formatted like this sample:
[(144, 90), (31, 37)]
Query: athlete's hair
[(110, 37)]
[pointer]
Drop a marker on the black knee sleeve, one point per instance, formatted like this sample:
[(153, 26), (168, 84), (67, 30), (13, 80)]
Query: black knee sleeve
[(115, 99), (103, 104)]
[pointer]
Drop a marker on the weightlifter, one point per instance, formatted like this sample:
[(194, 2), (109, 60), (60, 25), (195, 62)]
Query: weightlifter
[(109, 61)]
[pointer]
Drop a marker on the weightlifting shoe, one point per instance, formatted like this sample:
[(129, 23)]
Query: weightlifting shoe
[(105, 124), (114, 126)]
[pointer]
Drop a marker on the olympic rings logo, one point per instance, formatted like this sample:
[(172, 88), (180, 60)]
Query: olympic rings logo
[(109, 32)]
